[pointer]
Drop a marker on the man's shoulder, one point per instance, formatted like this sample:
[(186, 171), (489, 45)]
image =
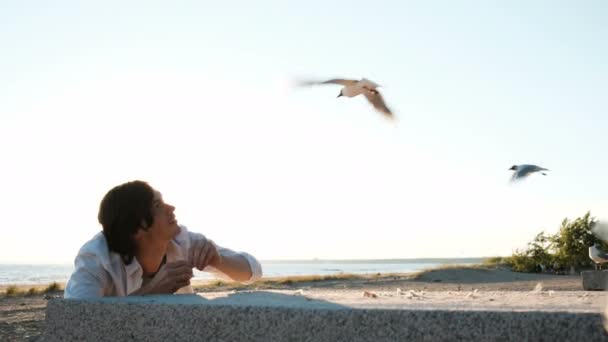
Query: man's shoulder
[(97, 247), (184, 237)]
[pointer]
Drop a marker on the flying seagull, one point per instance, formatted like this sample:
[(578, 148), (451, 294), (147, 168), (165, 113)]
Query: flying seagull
[(524, 170), (352, 88), (598, 256)]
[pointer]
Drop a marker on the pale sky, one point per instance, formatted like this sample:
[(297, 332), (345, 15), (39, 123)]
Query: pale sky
[(195, 98)]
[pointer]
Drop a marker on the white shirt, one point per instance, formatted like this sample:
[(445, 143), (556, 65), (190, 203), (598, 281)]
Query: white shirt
[(99, 272)]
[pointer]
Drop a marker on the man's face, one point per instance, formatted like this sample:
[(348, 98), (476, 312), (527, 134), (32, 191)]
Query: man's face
[(165, 225)]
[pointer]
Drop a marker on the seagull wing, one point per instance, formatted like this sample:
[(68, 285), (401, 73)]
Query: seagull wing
[(514, 177), (365, 83), (377, 101), (600, 253), (538, 168), (340, 81), (525, 170), (597, 255)]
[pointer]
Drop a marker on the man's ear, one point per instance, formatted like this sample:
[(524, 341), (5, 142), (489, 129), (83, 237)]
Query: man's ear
[(139, 234)]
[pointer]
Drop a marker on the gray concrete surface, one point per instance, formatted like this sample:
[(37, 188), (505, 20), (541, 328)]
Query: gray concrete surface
[(595, 280), (300, 316)]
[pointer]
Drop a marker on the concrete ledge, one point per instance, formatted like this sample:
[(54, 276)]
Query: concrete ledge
[(271, 316), (595, 280)]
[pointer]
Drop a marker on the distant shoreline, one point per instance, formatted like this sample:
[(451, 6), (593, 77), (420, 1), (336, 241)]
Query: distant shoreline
[(382, 261), (40, 274), (313, 260)]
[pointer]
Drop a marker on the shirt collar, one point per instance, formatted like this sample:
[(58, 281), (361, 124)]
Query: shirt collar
[(134, 271)]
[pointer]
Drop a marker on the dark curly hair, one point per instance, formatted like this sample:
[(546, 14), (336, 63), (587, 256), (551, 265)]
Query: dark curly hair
[(122, 212)]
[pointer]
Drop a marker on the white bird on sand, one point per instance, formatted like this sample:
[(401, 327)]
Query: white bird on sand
[(598, 256), (524, 170), (352, 88)]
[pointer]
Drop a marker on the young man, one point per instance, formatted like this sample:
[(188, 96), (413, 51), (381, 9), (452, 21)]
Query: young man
[(142, 250)]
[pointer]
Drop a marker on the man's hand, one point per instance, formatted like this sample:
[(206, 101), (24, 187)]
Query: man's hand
[(170, 278), (204, 252)]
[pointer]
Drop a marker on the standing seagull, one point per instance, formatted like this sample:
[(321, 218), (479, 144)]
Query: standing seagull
[(524, 170), (352, 88), (597, 256)]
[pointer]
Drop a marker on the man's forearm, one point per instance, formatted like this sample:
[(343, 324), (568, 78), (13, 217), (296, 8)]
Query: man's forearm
[(234, 266)]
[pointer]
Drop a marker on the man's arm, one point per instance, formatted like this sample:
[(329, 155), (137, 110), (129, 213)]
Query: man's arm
[(234, 266), (205, 255)]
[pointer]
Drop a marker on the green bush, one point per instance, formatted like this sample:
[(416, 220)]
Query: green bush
[(572, 243), (11, 291), (32, 291), (493, 261), (522, 262), (568, 248), (53, 287)]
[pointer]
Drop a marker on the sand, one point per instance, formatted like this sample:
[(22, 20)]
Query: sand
[(22, 318)]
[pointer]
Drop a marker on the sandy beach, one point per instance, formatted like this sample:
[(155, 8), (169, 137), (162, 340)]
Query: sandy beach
[(23, 317)]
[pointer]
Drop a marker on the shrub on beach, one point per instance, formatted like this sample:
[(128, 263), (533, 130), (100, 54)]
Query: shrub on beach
[(572, 243), (493, 261), (32, 291), (569, 247), (536, 254), (12, 291), (53, 287)]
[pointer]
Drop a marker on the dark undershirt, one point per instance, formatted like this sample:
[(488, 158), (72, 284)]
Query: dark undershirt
[(146, 279)]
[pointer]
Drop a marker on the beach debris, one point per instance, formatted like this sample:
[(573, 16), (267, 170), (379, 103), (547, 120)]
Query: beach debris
[(472, 294), (52, 296), (369, 294), (413, 294), (538, 289)]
